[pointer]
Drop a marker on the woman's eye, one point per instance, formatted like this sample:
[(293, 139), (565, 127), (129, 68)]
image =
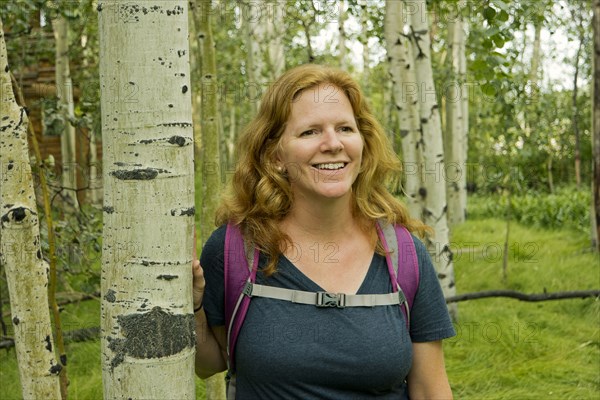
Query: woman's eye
[(346, 129), (308, 132)]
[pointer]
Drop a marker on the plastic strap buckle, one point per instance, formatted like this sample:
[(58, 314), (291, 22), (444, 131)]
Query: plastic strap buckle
[(328, 299), (248, 289)]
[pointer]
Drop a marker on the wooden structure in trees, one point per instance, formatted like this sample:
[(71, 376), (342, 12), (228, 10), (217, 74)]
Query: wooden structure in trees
[(37, 81)]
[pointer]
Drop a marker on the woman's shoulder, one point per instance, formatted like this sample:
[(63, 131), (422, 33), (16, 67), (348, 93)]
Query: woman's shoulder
[(215, 244)]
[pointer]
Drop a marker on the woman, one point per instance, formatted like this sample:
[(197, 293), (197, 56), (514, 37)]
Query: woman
[(309, 186)]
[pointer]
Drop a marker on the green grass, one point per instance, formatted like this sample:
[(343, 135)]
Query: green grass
[(83, 364), (505, 349)]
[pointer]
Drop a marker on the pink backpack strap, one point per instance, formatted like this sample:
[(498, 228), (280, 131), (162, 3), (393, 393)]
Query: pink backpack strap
[(408, 264), (236, 275), (402, 263)]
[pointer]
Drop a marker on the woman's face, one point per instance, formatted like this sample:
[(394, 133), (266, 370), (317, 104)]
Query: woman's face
[(321, 147)]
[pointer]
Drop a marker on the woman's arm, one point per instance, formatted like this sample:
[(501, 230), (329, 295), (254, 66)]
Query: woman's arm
[(427, 378), (210, 342)]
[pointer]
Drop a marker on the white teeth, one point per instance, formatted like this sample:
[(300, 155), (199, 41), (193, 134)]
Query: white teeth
[(330, 166)]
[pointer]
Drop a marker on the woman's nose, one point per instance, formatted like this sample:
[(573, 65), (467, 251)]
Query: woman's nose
[(331, 141)]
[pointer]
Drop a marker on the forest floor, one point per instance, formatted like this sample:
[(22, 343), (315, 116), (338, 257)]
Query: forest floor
[(504, 348)]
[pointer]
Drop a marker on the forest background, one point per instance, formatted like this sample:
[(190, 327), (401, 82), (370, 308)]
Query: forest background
[(525, 223)]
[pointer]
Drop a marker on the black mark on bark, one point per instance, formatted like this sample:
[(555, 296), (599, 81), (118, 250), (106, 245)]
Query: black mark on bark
[(178, 140), (167, 277), (110, 296), (183, 211), (137, 174), (55, 369), (154, 334), (48, 343)]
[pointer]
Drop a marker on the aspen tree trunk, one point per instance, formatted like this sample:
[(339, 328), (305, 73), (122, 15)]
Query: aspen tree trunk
[(64, 93), (342, 51), (254, 36), (434, 188), (402, 74), (596, 128), (575, 93), (230, 143), (364, 40), (464, 99), (535, 57), (454, 145), (20, 250), (196, 73), (95, 183), (147, 319), (210, 162), (275, 29)]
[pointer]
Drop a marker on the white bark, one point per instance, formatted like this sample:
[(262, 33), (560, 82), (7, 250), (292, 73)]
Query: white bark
[(64, 94), (196, 73), (402, 73), (342, 51), (464, 98), (147, 318), (20, 251), (455, 145), (364, 40), (95, 183), (275, 30), (264, 29), (536, 55), (231, 138), (434, 213), (254, 36)]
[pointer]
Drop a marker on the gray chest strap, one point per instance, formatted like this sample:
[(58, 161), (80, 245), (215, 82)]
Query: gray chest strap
[(324, 299)]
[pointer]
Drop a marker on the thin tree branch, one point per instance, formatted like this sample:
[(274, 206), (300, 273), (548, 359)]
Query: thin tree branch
[(578, 294)]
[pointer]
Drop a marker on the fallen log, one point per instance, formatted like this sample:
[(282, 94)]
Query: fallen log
[(77, 335), (577, 294)]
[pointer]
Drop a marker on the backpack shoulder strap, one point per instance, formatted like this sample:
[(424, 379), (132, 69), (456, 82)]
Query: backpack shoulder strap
[(401, 259), (239, 269), (408, 275)]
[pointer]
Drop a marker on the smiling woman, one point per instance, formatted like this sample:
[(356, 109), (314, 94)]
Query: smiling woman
[(321, 144), (310, 195)]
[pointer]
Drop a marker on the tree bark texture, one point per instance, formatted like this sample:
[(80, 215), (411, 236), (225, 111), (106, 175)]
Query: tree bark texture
[(580, 48), (402, 74), (433, 184), (342, 50), (146, 314), (64, 93), (454, 145), (210, 161), (364, 41), (20, 249)]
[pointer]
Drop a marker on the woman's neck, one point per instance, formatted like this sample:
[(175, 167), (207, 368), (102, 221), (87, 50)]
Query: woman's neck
[(320, 220)]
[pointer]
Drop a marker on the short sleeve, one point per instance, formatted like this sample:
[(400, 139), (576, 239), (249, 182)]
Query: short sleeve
[(212, 261), (429, 320)]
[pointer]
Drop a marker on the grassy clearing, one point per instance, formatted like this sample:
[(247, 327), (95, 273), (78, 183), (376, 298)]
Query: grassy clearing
[(84, 364), (505, 349)]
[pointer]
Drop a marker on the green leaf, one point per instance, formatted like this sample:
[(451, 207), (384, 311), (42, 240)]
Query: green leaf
[(479, 65), (489, 13), (498, 41), (503, 16)]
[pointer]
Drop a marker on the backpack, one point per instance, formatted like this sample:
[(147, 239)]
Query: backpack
[(241, 265)]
